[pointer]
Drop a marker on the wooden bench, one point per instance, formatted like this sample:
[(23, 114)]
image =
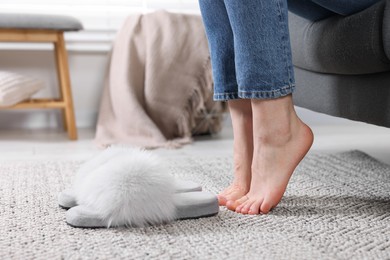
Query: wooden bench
[(45, 28)]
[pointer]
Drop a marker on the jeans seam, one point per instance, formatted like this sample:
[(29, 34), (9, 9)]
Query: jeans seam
[(225, 96), (282, 91), (235, 92), (283, 42), (268, 91)]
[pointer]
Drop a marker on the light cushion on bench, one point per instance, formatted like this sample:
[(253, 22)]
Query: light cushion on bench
[(15, 88), (39, 22)]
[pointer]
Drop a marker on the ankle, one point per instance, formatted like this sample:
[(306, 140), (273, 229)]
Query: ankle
[(278, 132)]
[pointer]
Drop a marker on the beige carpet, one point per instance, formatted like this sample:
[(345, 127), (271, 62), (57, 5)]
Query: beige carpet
[(336, 207)]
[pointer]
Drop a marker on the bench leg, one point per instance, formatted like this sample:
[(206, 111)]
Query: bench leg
[(65, 86)]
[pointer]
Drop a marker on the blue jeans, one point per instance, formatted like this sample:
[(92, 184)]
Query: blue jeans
[(249, 42)]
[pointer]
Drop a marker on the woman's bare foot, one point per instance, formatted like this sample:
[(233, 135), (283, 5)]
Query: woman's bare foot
[(281, 140), (241, 114)]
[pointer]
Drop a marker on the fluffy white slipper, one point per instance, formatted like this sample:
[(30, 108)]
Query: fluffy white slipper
[(67, 198), (185, 205), (134, 188)]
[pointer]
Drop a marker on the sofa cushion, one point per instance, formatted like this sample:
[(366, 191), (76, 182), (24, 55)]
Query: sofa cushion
[(38, 21), (357, 97), (341, 45)]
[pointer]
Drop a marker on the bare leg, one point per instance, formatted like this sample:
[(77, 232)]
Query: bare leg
[(281, 140), (241, 114)]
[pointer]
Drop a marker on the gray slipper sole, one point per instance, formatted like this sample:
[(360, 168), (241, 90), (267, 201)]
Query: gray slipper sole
[(189, 205), (67, 199)]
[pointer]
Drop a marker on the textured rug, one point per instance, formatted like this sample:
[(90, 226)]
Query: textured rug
[(336, 207)]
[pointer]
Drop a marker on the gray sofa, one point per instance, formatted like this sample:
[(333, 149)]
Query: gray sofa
[(342, 64)]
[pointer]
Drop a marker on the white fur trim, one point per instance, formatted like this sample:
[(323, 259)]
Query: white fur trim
[(133, 188), (98, 160)]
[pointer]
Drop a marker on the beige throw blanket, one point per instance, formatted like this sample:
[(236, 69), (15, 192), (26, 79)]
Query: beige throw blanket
[(158, 91)]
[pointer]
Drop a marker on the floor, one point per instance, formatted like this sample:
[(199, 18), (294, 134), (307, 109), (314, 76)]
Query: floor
[(327, 227), (331, 135)]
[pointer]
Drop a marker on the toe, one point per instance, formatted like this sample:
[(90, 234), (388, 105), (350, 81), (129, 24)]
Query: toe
[(222, 200), (265, 207), (232, 193), (232, 205), (239, 208), (246, 206), (224, 197), (255, 208)]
